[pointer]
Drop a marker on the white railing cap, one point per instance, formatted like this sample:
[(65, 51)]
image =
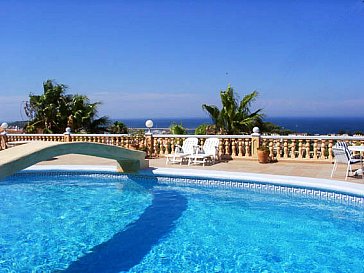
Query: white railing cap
[(320, 137), (201, 136), (100, 135), (316, 137), (37, 135)]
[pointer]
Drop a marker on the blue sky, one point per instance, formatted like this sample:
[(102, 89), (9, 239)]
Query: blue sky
[(147, 59)]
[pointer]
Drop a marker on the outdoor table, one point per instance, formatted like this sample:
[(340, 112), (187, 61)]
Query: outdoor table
[(359, 149)]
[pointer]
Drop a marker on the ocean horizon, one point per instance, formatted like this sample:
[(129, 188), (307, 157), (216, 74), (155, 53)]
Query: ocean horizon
[(309, 125)]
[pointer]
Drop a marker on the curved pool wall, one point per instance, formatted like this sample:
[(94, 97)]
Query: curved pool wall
[(334, 190)]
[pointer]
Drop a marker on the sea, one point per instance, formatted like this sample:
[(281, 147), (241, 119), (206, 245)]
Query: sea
[(309, 125)]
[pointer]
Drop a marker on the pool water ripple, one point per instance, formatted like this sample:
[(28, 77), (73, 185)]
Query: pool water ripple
[(63, 223), (48, 223)]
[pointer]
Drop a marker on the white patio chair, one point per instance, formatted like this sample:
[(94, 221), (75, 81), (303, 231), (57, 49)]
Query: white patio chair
[(182, 152), (209, 152), (345, 145), (343, 156)]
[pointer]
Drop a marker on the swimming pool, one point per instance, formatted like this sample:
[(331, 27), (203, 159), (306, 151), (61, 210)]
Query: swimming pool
[(105, 222)]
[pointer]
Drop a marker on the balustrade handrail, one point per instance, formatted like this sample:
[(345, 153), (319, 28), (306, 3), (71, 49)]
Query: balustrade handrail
[(72, 134), (35, 135), (201, 136), (319, 137), (101, 135), (287, 147)]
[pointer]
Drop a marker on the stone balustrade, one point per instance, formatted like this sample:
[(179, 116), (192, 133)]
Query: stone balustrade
[(35, 137), (303, 148), (297, 148)]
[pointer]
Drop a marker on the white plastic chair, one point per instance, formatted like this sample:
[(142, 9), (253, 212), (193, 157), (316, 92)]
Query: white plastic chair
[(182, 152), (343, 156), (209, 151)]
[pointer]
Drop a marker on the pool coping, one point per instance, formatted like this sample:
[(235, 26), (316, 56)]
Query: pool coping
[(295, 181)]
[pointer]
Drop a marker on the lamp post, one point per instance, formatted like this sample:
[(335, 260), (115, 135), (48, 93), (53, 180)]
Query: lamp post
[(149, 138), (149, 125)]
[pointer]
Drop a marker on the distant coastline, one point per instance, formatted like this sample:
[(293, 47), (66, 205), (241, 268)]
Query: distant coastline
[(310, 125)]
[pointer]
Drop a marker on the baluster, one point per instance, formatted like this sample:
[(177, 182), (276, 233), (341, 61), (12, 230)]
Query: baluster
[(233, 148), (156, 146), (248, 147), (240, 148), (300, 151), (323, 149), (270, 145), (162, 146), (169, 144), (166, 145), (330, 149), (293, 148), (315, 149), (280, 149), (308, 148), (174, 142), (221, 148), (227, 148)]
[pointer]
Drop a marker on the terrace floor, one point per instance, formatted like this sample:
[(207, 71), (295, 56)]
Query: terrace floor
[(305, 169)]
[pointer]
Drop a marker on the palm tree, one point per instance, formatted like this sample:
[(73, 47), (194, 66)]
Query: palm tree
[(234, 117), (118, 127), (82, 115), (53, 111), (46, 111)]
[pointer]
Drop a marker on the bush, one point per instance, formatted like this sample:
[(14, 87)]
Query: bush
[(201, 129), (177, 129)]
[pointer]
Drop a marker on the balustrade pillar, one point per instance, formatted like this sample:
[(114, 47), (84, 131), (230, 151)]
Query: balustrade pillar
[(149, 144), (3, 141), (256, 139), (67, 135)]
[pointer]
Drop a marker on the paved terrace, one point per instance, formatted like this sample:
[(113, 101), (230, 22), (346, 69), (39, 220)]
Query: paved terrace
[(314, 170)]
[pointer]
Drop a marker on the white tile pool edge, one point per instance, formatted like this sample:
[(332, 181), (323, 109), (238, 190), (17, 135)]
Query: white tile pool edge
[(295, 181)]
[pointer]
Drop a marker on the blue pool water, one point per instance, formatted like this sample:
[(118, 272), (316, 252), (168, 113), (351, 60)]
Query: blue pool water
[(111, 223)]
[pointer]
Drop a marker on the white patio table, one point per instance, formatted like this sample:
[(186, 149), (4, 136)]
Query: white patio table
[(359, 149)]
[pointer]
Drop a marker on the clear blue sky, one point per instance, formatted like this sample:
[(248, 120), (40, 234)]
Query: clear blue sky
[(166, 58)]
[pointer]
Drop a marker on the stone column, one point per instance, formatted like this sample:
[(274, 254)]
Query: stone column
[(3, 141), (149, 142), (255, 142), (3, 136), (67, 135)]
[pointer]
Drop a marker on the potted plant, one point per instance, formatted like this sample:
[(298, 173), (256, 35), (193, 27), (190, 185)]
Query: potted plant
[(263, 154)]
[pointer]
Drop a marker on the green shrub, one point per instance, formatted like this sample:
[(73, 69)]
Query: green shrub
[(177, 129), (201, 129)]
